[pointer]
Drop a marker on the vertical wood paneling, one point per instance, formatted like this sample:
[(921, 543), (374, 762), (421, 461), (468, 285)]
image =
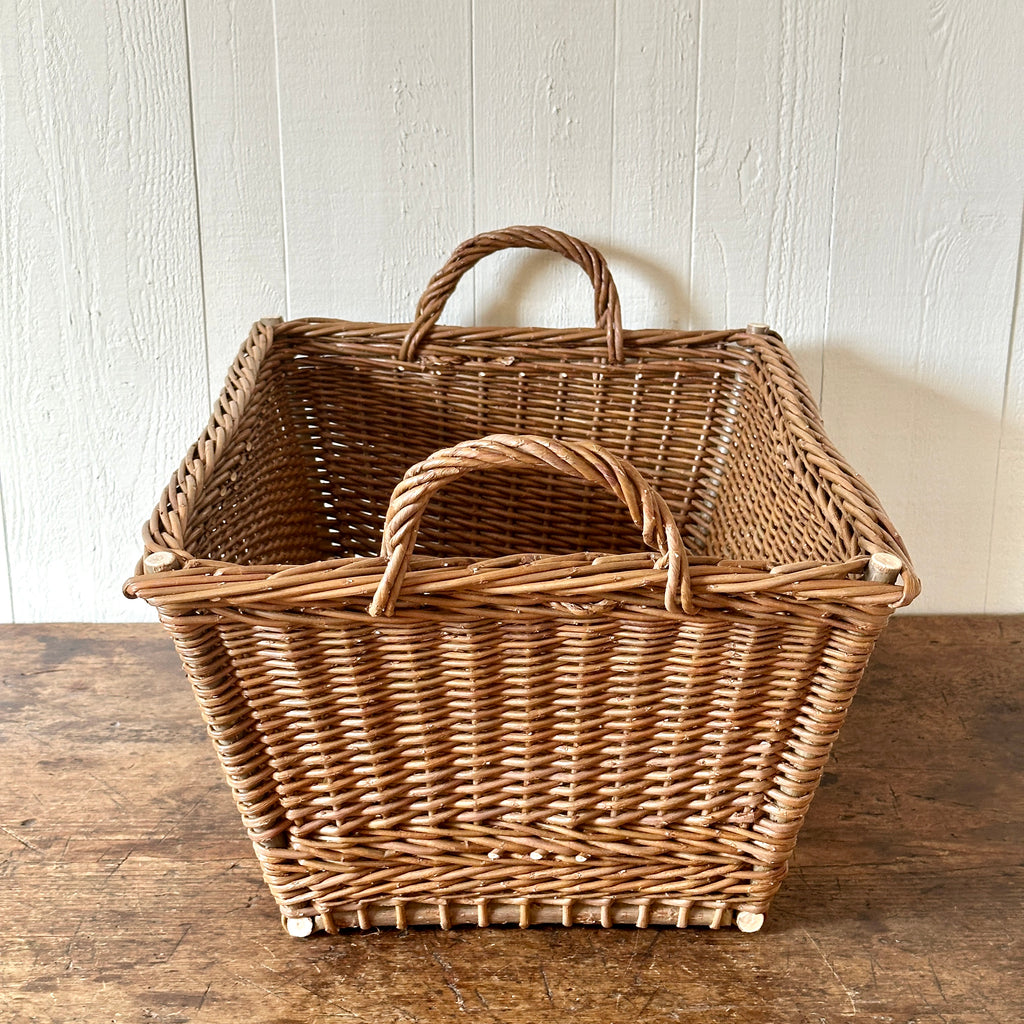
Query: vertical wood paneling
[(655, 105), (543, 100), (766, 143), (104, 381), (233, 72), (6, 590), (852, 173), (923, 274), (1006, 560), (376, 151)]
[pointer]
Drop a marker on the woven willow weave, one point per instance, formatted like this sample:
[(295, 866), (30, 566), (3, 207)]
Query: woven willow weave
[(516, 624)]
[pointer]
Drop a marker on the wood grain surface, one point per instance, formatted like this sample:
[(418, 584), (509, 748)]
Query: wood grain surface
[(129, 894)]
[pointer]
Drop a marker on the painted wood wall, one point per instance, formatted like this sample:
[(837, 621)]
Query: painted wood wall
[(851, 172)]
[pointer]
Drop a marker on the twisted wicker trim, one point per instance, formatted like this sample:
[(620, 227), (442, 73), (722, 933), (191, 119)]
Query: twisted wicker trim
[(607, 312), (717, 584), (582, 459)]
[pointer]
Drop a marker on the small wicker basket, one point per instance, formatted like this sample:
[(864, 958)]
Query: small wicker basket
[(464, 691)]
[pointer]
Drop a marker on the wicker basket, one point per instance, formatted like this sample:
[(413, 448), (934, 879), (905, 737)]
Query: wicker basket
[(447, 696)]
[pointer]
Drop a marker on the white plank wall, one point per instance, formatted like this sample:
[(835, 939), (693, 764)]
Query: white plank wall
[(924, 270), (1006, 558), (851, 172), (233, 80), (766, 149), (104, 378), (650, 226), (543, 110), (6, 588), (376, 138)]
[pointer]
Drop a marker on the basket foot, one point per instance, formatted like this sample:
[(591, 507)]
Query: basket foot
[(748, 922), (298, 927)]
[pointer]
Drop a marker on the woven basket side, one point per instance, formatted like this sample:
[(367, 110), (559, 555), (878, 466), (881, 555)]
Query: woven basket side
[(241, 494), (358, 428), (768, 504), (788, 494), (852, 497), (485, 758), (664, 424), (216, 658), (578, 725), (260, 501)]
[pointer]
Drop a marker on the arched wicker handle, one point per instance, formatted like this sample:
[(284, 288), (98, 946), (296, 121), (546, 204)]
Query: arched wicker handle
[(582, 459), (607, 312)]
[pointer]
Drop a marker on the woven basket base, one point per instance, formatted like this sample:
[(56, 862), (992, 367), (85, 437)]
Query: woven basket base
[(524, 913)]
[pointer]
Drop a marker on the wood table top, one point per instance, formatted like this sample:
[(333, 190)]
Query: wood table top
[(130, 893)]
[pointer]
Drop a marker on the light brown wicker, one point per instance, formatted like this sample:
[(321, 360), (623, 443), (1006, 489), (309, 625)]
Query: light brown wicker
[(463, 691)]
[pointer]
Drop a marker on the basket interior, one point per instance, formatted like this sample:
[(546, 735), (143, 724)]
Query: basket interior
[(309, 470)]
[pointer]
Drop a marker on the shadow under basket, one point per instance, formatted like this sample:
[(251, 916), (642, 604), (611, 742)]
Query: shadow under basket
[(520, 625)]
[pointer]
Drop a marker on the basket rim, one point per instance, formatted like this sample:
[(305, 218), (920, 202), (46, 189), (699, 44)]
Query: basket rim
[(192, 581)]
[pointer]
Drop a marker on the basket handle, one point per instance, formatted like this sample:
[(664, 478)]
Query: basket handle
[(607, 312), (582, 459)]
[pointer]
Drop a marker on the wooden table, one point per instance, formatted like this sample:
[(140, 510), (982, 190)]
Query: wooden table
[(129, 893)]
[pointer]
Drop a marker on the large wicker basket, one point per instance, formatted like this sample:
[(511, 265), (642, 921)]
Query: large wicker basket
[(443, 695)]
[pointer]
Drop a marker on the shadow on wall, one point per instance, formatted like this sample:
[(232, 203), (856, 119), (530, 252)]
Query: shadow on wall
[(933, 459)]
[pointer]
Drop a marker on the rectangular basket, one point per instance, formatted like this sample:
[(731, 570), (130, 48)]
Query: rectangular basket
[(494, 625)]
